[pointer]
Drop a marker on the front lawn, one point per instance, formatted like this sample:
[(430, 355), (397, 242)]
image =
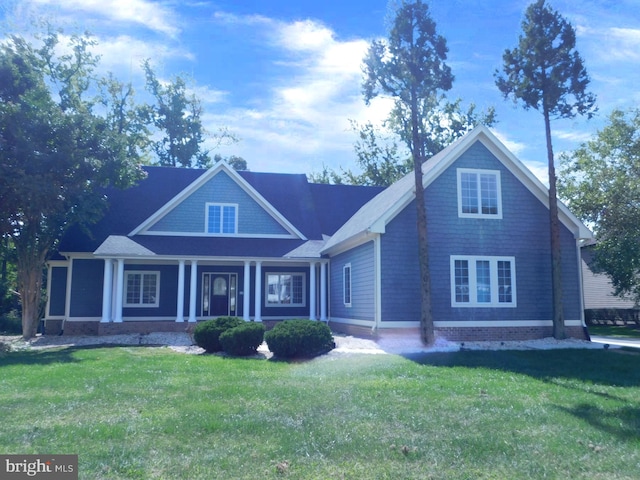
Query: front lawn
[(616, 331), (138, 413)]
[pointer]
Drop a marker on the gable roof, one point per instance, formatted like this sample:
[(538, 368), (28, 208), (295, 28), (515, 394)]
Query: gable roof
[(314, 211), (377, 213), (219, 168)]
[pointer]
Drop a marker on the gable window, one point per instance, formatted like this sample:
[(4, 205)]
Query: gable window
[(483, 281), (142, 289), (479, 193), (222, 218), (285, 289), (346, 282)]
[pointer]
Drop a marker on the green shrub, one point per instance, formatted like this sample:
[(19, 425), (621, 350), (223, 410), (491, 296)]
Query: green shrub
[(299, 338), (207, 334), (243, 339), (10, 323)]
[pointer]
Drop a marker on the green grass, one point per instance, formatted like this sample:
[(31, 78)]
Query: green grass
[(614, 331), (142, 413)]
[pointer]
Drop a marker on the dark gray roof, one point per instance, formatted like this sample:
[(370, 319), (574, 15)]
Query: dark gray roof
[(315, 210)]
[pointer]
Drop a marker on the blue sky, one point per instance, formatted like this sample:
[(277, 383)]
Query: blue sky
[(285, 76)]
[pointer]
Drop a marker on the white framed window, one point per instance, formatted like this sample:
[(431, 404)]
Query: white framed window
[(346, 285), (142, 289), (479, 193), (483, 281), (285, 289), (222, 218)]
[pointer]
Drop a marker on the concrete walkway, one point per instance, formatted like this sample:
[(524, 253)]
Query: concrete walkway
[(617, 341)]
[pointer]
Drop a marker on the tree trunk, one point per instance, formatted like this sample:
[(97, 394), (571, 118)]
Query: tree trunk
[(556, 253), (427, 333), (30, 263)]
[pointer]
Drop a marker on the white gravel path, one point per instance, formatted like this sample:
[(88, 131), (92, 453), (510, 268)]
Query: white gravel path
[(345, 344)]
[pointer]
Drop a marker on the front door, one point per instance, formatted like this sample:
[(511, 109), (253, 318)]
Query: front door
[(219, 294)]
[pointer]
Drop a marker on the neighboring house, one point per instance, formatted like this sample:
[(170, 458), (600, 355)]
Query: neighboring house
[(186, 245), (600, 304)]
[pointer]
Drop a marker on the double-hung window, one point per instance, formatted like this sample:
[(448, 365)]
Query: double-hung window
[(142, 289), (222, 218), (285, 289), (479, 193), (483, 281)]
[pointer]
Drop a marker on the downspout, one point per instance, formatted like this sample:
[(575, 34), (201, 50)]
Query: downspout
[(582, 316), (377, 316)]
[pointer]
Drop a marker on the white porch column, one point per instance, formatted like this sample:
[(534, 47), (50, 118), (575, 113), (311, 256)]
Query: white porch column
[(323, 291), (246, 300), (119, 291), (193, 285), (258, 293), (180, 300), (312, 291), (107, 290)]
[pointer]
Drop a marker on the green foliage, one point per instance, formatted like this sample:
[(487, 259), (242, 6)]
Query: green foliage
[(299, 338), (57, 152), (207, 334), (601, 182), (243, 339), (177, 116), (10, 323), (237, 163), (545, 71)]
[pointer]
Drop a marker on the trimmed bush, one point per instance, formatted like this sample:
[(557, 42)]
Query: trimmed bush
[(243, 339), (299, 338), (207, 334)]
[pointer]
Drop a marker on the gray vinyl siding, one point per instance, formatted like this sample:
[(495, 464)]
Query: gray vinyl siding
[(168, 291), (362, 260), (86, 288), (523, 233), (189, 216), (58, 292)]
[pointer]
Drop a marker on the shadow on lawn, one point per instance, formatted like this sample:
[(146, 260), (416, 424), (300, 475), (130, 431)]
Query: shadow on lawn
[(602, 367), (48, 356)]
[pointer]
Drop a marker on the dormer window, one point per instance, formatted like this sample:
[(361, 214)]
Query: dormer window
[(222, 218), (479, 194)]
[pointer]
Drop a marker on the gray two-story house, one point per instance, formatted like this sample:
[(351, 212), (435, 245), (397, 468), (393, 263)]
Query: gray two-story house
[(186, 245)]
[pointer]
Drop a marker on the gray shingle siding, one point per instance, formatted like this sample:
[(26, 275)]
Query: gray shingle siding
[(86, 288), (58, 293), (189, 216), (521, 233), (362, 263)]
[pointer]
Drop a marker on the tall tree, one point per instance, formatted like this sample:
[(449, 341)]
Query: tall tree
[(601, 182), (545, 72), (410, 67), (55, 153), (176, 114)]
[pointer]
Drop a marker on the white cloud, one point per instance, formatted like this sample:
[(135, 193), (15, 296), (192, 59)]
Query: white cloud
[(307, 109), (573, 136), (514, 147), (151, 15), (126, 52)]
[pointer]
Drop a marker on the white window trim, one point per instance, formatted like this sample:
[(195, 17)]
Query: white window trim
[(222, 205), (494, 216), (128, 273), (285, 305), (344, 285), (493, 265)]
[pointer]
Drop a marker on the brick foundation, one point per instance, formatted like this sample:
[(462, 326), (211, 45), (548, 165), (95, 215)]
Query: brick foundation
[(54, 327), (467, 334)]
